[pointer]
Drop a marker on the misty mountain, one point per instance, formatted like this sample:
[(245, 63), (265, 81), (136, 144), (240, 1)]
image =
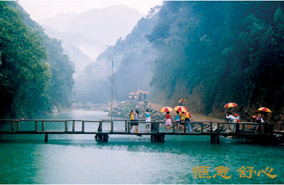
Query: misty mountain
[(133, 58), (104, 25), (80, 50), (60, 21), (86, 35)]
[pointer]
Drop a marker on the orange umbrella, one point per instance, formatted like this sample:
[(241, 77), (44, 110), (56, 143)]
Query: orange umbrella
[(181, 109), (187, 114), (264, 109), (166, 109), (230, 105)]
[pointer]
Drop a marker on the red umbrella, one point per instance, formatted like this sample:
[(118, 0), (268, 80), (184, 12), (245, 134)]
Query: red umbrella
[(166, 109), (181, 109), (230, 105), (264, 109)]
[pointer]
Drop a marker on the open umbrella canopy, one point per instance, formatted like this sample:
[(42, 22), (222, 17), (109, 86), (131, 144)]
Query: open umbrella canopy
[(181, 109), (180, 100), (166, 109), (139, 91), (130, 97), (188, 115), (145, 92), (264, 109), (132, 93), (230, 105)]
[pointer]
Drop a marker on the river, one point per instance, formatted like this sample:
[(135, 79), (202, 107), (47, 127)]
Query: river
[(80, 159)]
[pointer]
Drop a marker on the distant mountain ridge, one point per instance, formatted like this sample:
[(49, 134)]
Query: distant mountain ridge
[(97, 24), (88, 34)]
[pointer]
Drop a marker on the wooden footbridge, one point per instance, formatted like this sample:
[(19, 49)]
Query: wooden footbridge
[(102, 129)]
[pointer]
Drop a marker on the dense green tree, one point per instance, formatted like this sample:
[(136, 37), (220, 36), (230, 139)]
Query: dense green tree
[(216, 52), (34, 74)]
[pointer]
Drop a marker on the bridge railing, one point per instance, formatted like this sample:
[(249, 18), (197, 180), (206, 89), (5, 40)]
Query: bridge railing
[(123, 126)]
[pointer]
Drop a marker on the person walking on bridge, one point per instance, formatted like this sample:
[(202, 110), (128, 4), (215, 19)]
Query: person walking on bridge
[(231, 119), (177, 120), (237, 116), (136, 118), (131, 115), (147, 117), (168, 122), (182, 121)]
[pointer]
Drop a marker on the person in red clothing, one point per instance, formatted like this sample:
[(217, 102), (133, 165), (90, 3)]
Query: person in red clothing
[(237, 116), (168, 122)]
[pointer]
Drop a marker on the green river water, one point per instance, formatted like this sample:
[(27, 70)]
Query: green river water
[(26, 159)]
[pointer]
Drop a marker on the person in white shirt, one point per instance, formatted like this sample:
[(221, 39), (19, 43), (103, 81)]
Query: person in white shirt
[(231, 119)]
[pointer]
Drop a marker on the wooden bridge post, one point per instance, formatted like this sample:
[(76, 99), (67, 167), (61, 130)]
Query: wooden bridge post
[(111, 126), (174, 127), (218, 127), (73, 125), (35, 126), (125, 126), (214, 139), (18, 126), (201, 125), (42, 126), (100, 128), (128, 127), (217, 139), (102, 138), (243, 128), (66, 126), (272, 130), (46, 138), (160, 138), (12, 126), (83, 126), (158, 127), (211, 127)]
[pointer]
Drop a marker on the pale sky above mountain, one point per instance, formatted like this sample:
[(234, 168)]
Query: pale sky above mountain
[(42, 9)]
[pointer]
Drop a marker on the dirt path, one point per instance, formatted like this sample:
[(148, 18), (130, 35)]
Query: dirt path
[(195, 117)]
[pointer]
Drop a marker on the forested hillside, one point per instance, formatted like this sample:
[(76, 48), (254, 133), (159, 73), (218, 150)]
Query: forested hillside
[(35, 75), (216, 52)]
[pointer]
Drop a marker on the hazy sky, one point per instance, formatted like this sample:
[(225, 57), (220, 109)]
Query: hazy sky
[(40, 9)]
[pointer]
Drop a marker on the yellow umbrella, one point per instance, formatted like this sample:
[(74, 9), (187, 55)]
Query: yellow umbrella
[(181, 109), (188, 115), (264, 109), (166, 109)]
